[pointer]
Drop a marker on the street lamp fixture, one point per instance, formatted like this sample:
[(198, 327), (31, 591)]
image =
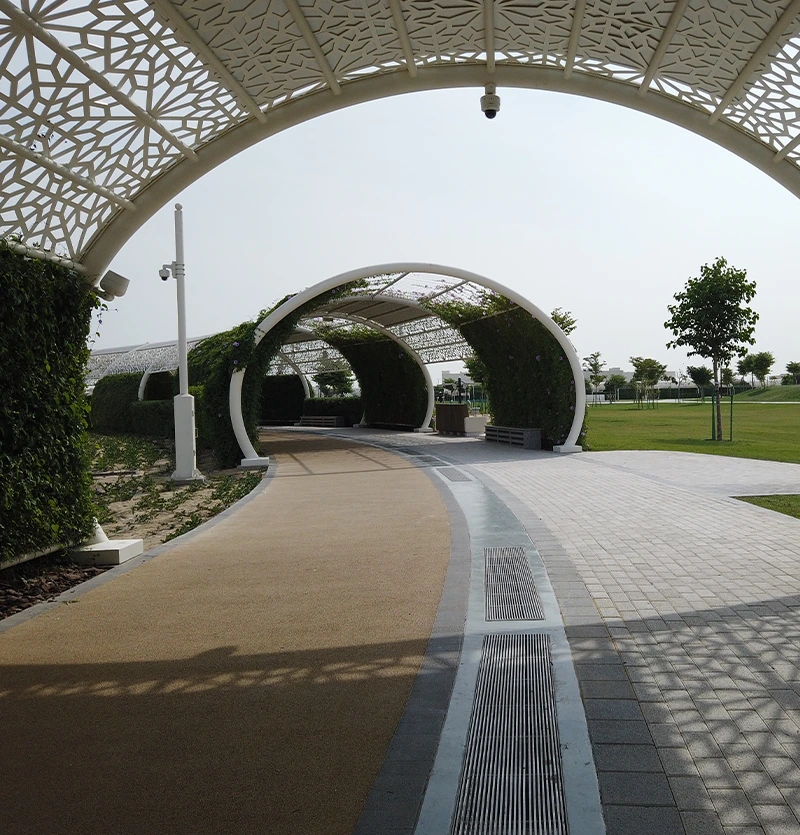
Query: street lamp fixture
[(183, 403)]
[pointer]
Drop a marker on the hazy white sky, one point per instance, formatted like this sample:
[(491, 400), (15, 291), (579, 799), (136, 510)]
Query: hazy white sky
[(574, 203)]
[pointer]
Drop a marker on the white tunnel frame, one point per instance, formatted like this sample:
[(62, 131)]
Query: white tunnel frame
[(251, 457)]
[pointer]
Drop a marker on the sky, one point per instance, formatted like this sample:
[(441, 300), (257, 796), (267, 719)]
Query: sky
[(575, 203)]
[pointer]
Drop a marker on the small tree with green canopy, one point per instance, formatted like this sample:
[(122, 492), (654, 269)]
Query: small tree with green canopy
[(646, 373), (727, 376), (594, 365), (564, 319), (793, 368), (762, 364), (710, 318), (701, 376), (745, 366), (614, 382)]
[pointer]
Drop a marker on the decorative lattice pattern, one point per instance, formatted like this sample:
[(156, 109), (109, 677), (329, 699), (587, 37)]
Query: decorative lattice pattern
[(98, 98)]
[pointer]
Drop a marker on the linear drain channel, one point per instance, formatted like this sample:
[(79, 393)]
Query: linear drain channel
[(510, 590), (511, 782), (453, 474)]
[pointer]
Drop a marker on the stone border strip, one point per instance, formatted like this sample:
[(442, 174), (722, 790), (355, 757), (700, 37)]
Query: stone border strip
[(70, 595)]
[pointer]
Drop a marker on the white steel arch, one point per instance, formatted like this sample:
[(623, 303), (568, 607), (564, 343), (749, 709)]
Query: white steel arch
[(108, 108), (461, 277)]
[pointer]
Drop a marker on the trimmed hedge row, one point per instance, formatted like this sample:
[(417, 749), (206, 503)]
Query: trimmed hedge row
[(111, 402), (45, 485)]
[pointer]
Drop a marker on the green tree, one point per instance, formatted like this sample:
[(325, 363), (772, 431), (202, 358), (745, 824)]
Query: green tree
[(745, 366), (701, 376), (727, 376), (564, 319), (762, 363), (793, 368), (646, 373), (594, 365), (332, 381), (614, 382), (710, 318), (476, 369)]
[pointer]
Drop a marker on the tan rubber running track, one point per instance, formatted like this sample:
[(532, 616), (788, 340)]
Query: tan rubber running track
[(248, 680)]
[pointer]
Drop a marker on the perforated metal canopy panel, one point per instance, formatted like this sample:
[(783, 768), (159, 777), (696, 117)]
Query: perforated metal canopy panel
[(512, 780), (510, 588)]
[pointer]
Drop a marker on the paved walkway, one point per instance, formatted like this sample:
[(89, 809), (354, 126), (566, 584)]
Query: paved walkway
[(681, 606)]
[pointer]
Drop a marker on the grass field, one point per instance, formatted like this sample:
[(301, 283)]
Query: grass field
[(768, 431), (790, 505), (771, 394)]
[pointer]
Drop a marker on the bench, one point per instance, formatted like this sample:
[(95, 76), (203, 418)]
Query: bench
[(322, 420), (526, 438)]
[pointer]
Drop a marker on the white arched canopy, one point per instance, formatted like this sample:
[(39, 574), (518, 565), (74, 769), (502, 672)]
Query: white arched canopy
[(109, 108), (391, 298)]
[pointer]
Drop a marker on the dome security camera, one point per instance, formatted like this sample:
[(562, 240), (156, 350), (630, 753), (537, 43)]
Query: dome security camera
[(164, 273), (490, 103)]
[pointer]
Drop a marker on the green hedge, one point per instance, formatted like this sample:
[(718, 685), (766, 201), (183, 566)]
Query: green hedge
[(153, 418), (393, 388), (529, 380), (213, 361), (350, 408), (45, 485), (111, 402), (282, 397), (163, 385)]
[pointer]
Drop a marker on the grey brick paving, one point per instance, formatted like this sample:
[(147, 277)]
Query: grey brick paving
[(697, 610)]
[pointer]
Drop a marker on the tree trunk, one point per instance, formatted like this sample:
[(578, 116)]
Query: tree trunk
[(717, 404)]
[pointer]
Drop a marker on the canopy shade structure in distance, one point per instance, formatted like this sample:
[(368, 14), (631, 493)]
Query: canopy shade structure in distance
[(109, 108)]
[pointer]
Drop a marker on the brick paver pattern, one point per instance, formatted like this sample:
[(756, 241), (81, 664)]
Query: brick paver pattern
[(692, 685)]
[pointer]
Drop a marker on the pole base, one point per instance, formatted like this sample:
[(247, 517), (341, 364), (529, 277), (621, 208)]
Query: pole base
[(564, 448)]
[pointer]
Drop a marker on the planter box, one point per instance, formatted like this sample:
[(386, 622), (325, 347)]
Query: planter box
[(322, 420), (526, 438), (450, 418)]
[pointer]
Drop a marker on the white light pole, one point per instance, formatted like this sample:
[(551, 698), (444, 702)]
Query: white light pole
[(185, 449)]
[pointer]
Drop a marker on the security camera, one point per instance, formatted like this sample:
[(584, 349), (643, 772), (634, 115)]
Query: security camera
[(490, 103), (164, 272)]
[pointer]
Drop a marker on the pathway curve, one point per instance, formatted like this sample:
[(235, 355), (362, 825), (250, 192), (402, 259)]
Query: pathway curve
[(247, 680)]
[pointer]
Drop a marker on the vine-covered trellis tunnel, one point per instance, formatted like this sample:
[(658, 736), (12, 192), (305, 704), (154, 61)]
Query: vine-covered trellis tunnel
[(437, 313)]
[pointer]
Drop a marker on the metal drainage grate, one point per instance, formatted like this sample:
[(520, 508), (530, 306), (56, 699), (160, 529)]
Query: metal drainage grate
[(510, 590), (512, 781), (453, 474)]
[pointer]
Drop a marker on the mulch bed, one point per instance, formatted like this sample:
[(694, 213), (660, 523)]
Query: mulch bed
[(40, 580)]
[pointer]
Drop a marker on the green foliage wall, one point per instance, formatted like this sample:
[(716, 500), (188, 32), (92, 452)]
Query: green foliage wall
[(162, 385), (529, 380), (153, 418), (213, 361), (111, 402), (393, 388), (45, 485), (282, 398), (350, 408)]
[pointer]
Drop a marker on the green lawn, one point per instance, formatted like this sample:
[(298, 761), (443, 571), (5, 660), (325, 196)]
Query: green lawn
[(769, 394), (790, 505), (771, 432)]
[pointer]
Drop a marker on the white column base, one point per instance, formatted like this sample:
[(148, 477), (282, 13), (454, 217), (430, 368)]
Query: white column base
[(426, 429), (254, 463), (567, 448), (185, 445)]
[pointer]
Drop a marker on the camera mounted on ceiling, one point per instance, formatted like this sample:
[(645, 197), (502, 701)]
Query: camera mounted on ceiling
[(490, 103)]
